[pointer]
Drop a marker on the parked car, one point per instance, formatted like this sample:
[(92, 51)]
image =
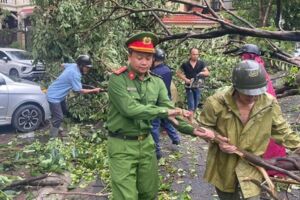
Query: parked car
[(22, 104), (19, 63), (297, 52)]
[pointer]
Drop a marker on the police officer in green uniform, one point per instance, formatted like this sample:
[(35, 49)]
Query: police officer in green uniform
[(137, 97)]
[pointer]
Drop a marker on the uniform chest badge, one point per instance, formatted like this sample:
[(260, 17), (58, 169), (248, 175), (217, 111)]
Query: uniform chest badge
[(131, 75)]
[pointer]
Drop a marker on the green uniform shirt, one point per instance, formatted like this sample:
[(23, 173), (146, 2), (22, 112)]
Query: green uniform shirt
[(134, 103), (221, 114)]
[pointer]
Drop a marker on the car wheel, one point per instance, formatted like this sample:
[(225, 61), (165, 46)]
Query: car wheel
[(27, 118), (14, 73)]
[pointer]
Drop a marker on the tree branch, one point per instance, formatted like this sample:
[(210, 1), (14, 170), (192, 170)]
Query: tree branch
[(206, 35), (278, 19), (267, 13), (211, 10), (158, 19), (277, 51), (188, 3), (25, 182)]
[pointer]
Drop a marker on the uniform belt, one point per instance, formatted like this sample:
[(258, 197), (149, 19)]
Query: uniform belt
[(128, 137)]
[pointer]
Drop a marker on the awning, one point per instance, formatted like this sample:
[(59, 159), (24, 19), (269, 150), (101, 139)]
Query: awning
[(25, 12)]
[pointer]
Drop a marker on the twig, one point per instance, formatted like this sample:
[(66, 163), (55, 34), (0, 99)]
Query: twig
[(285, 181), (256, 182), (158, 19), (268, 180), (80, 193)]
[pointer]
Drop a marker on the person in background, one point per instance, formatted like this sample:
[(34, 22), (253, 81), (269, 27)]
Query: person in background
[(248, 117), (252, 52), (162, 70), (69, 79), (192, 73)]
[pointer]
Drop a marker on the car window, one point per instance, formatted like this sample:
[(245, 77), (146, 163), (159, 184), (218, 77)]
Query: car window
[(2, 55), (20, 55)]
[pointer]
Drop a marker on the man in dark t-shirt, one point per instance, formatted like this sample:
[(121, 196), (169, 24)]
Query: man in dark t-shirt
[(192, 73)]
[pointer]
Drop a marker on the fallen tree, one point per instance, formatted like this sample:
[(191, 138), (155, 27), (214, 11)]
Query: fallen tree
[(226, 26)]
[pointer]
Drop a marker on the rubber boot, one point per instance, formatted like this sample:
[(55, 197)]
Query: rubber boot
[(54, 132)]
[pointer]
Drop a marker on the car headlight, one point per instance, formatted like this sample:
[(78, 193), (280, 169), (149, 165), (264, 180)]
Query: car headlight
[(23, 69)]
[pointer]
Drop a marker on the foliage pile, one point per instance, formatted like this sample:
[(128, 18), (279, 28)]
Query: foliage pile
[(83, 155)]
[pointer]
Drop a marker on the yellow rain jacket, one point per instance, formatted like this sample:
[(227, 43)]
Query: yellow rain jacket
[(220, 113)]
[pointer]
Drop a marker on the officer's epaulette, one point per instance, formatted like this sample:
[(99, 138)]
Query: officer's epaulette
[(120, 70), (153, 74)]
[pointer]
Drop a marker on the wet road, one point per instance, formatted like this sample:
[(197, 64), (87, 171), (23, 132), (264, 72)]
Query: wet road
[(7, 129)]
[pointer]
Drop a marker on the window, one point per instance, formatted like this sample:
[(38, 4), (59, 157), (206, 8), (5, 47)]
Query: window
[(2, 55)]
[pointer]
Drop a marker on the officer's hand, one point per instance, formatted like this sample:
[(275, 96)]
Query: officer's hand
[(186, 113), (174, 112), (173, 120), (204, 133), (227, 148)]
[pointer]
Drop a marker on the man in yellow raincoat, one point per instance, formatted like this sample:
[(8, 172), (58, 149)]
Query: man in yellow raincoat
[(248, 117)]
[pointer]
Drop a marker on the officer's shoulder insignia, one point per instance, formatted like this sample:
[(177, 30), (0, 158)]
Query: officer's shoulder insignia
[(120, 70), (153, 74)]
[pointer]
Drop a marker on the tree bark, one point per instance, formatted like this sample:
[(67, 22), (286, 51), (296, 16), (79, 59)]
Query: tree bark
[(278, 14), (261, 12), (267, 13)]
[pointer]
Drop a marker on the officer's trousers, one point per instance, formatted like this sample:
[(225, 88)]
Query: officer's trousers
[(133, 169)]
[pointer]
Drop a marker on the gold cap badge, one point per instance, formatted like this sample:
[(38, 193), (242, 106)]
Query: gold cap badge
[(147, 40)]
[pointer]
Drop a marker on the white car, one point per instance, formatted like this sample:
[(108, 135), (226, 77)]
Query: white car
[(19, 63), (297, 52), (22, 104)]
